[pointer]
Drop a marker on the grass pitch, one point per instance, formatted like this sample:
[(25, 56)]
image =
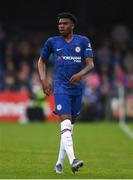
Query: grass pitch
[(30, 151)]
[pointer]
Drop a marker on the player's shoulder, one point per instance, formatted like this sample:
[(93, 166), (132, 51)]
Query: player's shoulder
[(54, 38), (82, 37)]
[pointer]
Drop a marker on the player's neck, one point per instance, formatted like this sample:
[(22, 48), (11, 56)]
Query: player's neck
[(69, 37)]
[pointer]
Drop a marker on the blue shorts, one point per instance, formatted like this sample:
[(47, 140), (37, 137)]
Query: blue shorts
[(68, 104)]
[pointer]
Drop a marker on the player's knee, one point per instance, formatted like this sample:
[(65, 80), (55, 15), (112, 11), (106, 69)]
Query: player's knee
[(64, 117)]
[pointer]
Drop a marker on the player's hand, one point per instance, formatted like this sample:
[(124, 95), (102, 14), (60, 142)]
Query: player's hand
[(47, 87), (75, 78)]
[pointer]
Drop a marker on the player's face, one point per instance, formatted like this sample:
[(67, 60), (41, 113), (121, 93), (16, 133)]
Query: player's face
[(65, 26)]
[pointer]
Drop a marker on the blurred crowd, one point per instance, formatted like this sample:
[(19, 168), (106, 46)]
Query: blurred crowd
[(113, 68), (18, 63), (113, 58)]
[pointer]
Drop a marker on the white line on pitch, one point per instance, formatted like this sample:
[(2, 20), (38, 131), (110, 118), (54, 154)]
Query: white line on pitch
[(126, 129)]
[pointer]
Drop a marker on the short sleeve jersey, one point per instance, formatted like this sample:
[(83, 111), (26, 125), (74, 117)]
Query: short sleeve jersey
[(69, 59)]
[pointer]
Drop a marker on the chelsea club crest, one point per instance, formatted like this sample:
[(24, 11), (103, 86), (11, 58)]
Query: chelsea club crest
[(77, 49)]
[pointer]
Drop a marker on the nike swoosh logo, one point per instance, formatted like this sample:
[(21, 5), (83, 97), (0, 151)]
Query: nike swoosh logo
[(58, 49)]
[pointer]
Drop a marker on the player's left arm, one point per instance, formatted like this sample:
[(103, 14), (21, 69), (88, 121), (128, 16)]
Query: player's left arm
[(77, 77), (89, 64)]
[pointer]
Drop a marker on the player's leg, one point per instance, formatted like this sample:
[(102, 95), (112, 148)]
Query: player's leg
[(63, 106), (61, 156), (76, 106), (66, 136), (63, 109), (62, 151), (75, 112)]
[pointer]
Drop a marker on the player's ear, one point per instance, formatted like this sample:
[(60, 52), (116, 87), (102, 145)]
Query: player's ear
[(73, 26)]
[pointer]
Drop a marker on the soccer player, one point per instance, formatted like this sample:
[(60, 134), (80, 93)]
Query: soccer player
[(73, 58)]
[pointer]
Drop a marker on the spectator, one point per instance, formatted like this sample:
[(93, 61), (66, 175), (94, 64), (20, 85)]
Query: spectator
[(92, 108)]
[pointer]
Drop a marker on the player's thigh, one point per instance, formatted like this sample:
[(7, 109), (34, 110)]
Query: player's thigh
[(63, 106), (76, 106)]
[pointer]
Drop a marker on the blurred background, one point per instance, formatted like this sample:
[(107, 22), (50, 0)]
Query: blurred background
[(24, 27)]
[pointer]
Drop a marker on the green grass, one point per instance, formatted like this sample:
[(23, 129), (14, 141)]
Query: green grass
[(130, 125), (30, 151)]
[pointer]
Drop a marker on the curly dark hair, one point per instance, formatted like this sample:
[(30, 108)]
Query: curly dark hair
[(69, 16)]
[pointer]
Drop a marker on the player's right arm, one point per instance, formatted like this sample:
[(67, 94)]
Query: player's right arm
[(46, 84), (44, 55)]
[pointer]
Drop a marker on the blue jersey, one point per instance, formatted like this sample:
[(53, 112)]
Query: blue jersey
[(69, 59)]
